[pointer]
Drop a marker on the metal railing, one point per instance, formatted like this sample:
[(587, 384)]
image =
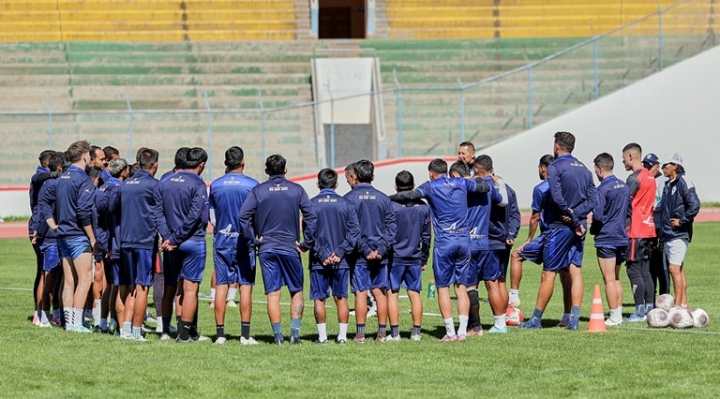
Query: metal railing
[(420, 120)]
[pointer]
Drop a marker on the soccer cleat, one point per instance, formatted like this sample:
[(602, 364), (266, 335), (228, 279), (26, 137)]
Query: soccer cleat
[(221, 341), (231, 304), (159, 328), (317, 341), (476, 332), (44, 325), (359, 338), (279, 341), (496, 330), (415, 337), (140, 339), (165, 337), (461, 337), (532, 324), (448, 338), (200, 338), (564, 322), (125, 335), (573, 323), (87, 315), (150, 318), (381, 336), (295, 341), (184, 341), (635, 318), (35, 320), (611, 323), (390, 338), (248, 341), (57, 322), (340, 342), (99, 330)]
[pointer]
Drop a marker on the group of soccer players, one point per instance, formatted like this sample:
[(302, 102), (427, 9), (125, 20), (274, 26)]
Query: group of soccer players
[(100, 222)]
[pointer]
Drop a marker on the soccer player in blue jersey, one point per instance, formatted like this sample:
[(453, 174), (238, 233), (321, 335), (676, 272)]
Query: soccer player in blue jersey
[(485, 264), (611, 236), (530, 249), (141, 220), (448, 200), (377, 234), (234, 261), (574, 196), (185, 206), (409, 256), (45, 239), (75, 194), (270, 222), (107, 203), (36, 182), (335, 238)]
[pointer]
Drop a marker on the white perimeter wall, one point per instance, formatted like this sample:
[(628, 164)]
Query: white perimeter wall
[(677, 110)]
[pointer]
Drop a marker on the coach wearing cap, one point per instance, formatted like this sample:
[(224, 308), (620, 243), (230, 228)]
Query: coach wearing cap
[(680, 205)]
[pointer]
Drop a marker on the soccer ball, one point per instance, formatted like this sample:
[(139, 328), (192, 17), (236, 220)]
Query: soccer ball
[(681, 318), (514, 316), (700, 318), (658, 318), (665, 301)]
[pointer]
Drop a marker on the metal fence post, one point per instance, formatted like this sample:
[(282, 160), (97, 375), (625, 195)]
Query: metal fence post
[(262, 127), (399, 115), (332, 126), (530, 93), (50, 121), (209, 135), (660, 37), (130, 123), (462, 110)]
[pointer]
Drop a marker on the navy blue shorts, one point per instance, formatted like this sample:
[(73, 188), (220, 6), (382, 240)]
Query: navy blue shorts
[(50, 257), (533, 251), (612, 252), (369, 275), (577, 249), (112, 270), (191, 255), (325, 280), (451, 260), (406, 275), (171, 266), (556, 248), (279, 269), (231, 267), (139, 264), (73, 247), (490, 268)]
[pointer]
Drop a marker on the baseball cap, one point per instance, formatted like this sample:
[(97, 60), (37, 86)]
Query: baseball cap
[(651, 159), (674, 158)]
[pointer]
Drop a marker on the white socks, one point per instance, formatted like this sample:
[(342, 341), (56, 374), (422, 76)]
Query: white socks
[(322, 332), (500, 321), (450, 326), (462, 328), (232, 292)]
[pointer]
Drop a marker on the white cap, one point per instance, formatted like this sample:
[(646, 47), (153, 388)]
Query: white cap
[(674, 158)]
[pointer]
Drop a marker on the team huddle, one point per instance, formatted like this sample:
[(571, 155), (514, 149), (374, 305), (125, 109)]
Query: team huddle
[(105, 231)]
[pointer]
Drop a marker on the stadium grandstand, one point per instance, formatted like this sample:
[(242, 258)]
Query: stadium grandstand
[(215, 73)]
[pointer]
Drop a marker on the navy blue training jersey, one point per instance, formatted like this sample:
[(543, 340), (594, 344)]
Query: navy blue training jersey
[(107, 203), (504, 221), (227, 195), (377, 219), (337, 230), (610, 213), (479, 207), (270, 216), (185, 206), (412, 240), (34, 193), (75, 198), (45, 210), (571, 187), (141, 216), (541, 201)]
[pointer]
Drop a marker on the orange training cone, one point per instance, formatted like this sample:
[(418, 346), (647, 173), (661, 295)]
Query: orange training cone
[(597, 314)]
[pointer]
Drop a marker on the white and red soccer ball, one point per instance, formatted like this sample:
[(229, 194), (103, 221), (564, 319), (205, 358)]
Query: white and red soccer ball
[(658, 318), (514, 316), (700, 318), (665, 302), (680, 318)]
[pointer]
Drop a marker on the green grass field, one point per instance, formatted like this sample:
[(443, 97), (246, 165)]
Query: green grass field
[(628, 361)]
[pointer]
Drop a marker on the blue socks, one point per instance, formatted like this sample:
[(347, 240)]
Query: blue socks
[(538, 314), (295, 328), (277, 330)]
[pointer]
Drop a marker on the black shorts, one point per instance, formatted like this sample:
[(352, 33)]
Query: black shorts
[(638, 249)]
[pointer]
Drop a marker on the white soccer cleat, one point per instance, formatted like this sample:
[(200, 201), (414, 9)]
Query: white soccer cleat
[(248, 341), (221, 341)]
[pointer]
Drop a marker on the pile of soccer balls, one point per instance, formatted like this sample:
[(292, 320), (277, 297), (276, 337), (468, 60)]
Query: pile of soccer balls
[(667, 314)]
